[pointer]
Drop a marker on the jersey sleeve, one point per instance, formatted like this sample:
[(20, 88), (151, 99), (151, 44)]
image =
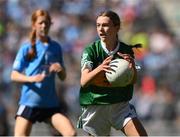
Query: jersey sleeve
[(87, 59), (20, 60), (61, 59)]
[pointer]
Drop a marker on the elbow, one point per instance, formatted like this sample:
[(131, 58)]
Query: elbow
[(62, 75), (85, 79), (134, 79), (12, 76), (83, 83)]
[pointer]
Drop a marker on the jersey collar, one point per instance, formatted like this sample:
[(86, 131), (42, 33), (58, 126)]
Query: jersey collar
[(110, 52), (38, 41)]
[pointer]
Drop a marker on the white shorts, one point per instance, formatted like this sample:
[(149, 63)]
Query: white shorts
[(97, 120)]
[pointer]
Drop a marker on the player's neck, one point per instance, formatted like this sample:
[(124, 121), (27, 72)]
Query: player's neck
[(111, 45), (44, 39)]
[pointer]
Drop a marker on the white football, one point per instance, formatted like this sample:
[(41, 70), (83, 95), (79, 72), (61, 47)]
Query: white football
[(120, 74)]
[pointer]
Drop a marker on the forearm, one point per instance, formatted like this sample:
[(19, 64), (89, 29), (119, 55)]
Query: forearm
[(62, 74), (88, 76), (135, 76), (19, 77)]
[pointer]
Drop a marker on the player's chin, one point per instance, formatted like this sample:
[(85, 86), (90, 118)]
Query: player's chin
[(103, 38), (44, 33)]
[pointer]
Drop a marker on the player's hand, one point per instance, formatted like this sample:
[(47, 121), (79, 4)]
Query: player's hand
[(55, 67), (128, 58), (100, 79), (105, 64)]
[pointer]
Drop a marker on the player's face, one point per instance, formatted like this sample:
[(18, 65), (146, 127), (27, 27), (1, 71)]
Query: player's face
[(106, 30), (42, 26)]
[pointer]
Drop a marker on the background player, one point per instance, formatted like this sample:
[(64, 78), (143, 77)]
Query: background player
[(36, 65)]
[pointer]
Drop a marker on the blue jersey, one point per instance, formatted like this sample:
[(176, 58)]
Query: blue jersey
[(38, 94)]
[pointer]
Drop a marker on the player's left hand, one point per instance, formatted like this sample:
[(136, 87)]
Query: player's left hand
[(128, 58), (55, 67)]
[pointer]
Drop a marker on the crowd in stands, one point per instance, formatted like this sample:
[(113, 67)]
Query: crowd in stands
[(156, 95)]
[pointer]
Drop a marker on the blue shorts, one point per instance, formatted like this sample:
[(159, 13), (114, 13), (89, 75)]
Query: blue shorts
[(36, 114)]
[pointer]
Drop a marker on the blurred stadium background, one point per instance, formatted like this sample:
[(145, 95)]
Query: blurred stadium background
[(154, 23)]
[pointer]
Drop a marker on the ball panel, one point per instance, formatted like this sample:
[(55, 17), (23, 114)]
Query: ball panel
[(120, 75)]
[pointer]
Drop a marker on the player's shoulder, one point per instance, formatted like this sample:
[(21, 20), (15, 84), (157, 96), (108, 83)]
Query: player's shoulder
[(55, 45), (25, 45), (130, 46), (92, 45)]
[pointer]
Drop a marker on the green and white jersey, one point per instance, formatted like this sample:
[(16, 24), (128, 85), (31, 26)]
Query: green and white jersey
[(92, 56)]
